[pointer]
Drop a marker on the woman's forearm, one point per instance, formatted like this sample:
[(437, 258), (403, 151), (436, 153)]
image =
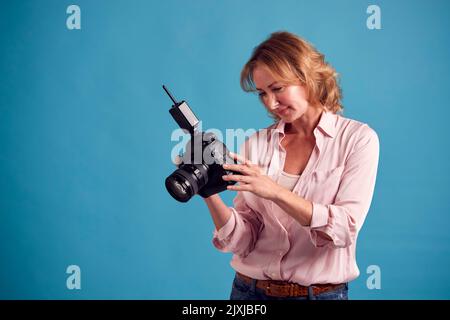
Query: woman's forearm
[(220, 213), (294, 205)]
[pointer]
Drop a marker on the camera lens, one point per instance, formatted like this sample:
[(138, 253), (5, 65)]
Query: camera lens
[(179, 189), (186, 181)]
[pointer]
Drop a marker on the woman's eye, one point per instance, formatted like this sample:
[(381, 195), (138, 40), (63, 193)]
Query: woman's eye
[(261, 94), (277, 89)]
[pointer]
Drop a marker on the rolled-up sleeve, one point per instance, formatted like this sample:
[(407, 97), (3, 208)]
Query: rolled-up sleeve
[(241, 231), (338, 224)]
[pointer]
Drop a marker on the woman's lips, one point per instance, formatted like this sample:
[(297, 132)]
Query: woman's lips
[(283, 110)]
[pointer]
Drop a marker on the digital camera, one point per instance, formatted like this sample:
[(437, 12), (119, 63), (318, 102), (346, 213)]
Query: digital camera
[(200, 168)]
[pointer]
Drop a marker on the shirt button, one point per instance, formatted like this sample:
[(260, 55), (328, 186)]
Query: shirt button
[(273, 274), (281, 253)]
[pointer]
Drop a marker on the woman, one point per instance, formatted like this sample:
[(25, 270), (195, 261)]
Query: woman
[(305, 183)]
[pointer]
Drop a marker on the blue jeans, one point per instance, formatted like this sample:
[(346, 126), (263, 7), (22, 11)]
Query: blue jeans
[(243, 291)]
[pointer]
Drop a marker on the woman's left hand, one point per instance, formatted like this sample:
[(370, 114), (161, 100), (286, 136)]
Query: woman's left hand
[(251, 178)]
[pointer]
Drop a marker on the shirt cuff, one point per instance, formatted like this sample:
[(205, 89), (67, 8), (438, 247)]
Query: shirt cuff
[(227, 228), (319, 216)]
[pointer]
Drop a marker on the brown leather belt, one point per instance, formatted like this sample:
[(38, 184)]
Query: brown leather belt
[(277, 288)]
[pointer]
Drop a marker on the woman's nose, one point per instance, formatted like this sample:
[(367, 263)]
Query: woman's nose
[(272, 102)]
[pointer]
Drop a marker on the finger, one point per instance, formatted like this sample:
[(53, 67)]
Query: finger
[(237, 167), (237, 178), (240, 158), (241, 187)]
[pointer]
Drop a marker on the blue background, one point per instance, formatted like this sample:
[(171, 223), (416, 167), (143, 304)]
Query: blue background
[(85, 139)]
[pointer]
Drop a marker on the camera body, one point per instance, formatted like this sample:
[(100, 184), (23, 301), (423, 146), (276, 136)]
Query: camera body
[(200, 169)]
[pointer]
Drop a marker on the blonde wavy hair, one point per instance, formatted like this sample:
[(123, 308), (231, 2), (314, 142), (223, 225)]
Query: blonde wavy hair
[(292, 60)]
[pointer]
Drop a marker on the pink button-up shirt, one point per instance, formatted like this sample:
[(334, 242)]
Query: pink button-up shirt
[(339, 180)]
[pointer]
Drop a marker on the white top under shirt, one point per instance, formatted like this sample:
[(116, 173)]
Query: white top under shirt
[(288, 180)]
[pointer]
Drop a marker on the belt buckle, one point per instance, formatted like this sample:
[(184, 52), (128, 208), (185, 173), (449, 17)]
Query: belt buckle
[(268, 291)]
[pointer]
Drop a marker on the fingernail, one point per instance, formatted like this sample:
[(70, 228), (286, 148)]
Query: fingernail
[(225, 166), (223, 177)]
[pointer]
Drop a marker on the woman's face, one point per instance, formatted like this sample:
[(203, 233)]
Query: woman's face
[(288, 102)]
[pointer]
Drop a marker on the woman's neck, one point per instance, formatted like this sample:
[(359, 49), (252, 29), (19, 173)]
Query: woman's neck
[(305, 125)]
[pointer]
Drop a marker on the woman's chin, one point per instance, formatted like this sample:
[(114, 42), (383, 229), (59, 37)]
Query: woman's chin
[(288, 118)]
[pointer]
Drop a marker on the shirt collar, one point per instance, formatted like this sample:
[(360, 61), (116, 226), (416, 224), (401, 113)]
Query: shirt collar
[(327, 124)]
